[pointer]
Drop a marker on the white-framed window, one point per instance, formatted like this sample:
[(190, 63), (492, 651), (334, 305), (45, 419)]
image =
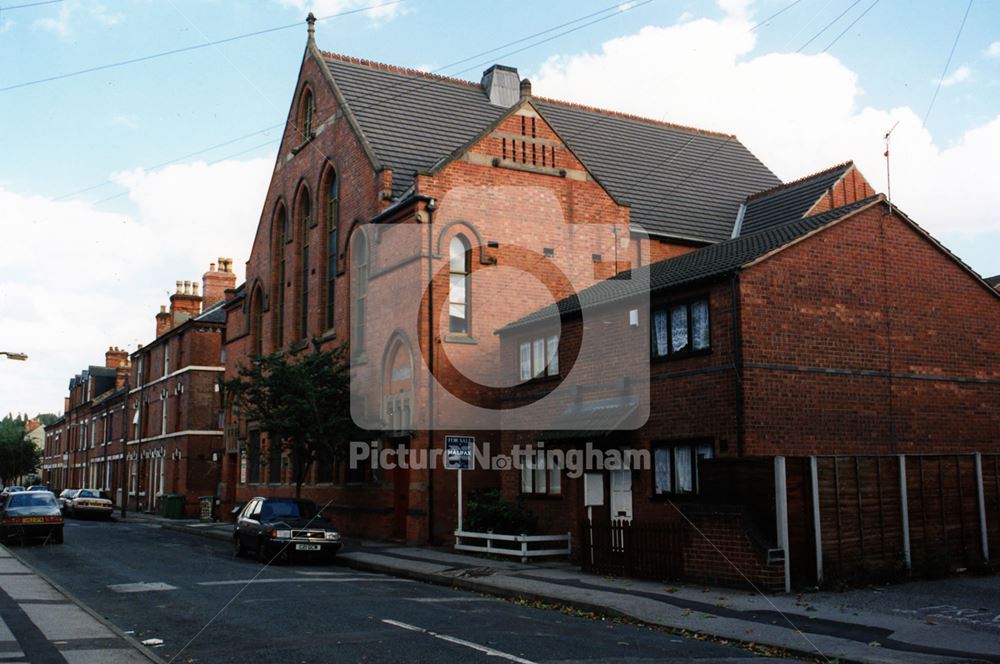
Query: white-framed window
[(676, 467), (541, 475), (680, 329), (459, 271), (539, 357)]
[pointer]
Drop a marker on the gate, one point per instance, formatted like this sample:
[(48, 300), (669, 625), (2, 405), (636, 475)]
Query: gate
[(621, 547)]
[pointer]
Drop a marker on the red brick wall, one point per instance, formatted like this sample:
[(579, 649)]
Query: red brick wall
[(827, 320)]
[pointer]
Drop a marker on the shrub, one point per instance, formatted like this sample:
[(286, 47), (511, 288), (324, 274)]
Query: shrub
[(488, 511)]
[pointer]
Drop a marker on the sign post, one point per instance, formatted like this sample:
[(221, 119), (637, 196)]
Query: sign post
[(458, 456)]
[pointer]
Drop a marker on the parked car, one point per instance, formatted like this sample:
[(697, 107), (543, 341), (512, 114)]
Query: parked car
[(90, 502), (65, 497), (38, 487), (11, 489), (31, 515), (282, 528)]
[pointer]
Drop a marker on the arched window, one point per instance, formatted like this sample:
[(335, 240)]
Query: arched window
[(332, 243), (305, 222), (459, 268), (359, 285), (307, 108), (281, 223), (257, 321)]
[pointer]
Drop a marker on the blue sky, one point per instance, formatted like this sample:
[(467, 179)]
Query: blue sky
[(693, 62)]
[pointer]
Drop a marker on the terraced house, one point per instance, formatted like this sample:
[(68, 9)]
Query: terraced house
[(789, 355)]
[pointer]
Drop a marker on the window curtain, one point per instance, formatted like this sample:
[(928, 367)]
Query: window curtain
[(661, 468), (699, 325), (678, 329), (682, 460), (660, 333)]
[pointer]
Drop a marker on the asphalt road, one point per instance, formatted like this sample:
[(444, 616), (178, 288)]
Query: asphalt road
[(196, 597)]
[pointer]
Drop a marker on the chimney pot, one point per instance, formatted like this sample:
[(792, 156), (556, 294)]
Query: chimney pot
[(211, 266), (194, 287), (525, 88), (187, 287), (180, 286)]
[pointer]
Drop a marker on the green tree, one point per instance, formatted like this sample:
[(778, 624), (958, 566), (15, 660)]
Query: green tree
[(302, 400), (46, 418), (18, 455)]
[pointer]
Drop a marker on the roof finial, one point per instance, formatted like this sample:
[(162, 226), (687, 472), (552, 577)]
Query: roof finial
[(311, 21)]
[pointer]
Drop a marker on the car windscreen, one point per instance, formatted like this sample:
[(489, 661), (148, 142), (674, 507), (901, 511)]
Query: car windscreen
[(32, 499), (88, 493), (288, 509)]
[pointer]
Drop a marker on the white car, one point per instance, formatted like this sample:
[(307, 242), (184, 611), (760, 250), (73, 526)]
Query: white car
[(90, 502)]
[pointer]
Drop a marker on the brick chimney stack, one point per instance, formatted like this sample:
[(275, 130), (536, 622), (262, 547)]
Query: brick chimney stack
[(184, 304), (115, 357), (217, 281)]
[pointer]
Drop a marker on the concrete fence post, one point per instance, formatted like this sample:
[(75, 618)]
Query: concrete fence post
[(781, 512), (983, 535), (904, 506), (817, 524)]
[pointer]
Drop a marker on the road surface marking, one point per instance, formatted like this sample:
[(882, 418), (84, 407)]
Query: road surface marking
[(461, 642), (450, 599), (308, 573), (141, 587), (314, 579)]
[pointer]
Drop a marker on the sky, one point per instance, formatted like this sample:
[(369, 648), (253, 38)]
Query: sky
[(117, 182)]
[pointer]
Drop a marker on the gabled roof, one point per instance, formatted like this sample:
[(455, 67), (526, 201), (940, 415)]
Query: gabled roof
[(790, 201), (409, 118), (681, 183), (993, 281), (706, 263)]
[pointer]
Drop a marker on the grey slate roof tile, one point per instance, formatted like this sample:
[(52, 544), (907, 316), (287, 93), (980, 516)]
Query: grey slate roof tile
[(709, 262), (789, 202), (680, 183), (993, 281)]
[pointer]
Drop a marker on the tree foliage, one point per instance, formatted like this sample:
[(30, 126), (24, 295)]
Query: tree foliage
[(18, 455), (302, 400)]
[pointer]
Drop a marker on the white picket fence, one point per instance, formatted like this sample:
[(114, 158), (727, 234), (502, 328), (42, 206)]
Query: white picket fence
[(518, 546)]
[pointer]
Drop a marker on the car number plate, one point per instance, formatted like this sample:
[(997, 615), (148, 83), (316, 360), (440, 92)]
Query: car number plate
[(33, 519), (307, 547)]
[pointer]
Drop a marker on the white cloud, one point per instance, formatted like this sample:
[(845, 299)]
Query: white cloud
[(6, 25), (960, 75), (62, 23), (798, 113), (75, 279), (127, 120), (993, 50), (378, 11)]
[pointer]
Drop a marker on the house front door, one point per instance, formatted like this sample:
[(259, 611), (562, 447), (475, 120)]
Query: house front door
[(621, 494)]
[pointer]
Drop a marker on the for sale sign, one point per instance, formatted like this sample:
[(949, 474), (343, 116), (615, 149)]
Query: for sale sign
[(458, 452)]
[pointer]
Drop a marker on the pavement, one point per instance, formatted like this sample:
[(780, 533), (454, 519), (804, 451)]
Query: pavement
[(955, 620), (42, 624)]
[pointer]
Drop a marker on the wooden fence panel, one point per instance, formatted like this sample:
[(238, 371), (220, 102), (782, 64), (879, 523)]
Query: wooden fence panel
[(991, 498)]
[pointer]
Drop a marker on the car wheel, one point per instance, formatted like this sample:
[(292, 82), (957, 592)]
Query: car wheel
[(238, 548), (261, 552), (57, 535)]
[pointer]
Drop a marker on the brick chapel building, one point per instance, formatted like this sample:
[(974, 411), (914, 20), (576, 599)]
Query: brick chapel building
[(797, 353), (473, 176)]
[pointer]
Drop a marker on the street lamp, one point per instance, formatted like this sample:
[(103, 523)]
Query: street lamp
[(21, 357)]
